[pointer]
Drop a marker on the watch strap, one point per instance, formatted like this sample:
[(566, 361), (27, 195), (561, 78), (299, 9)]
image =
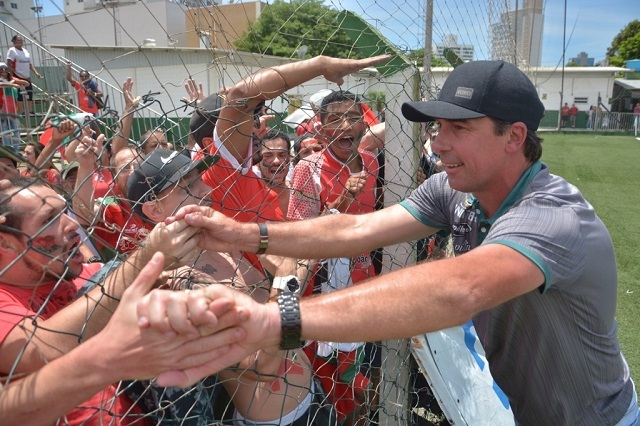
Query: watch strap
[(290, 322)]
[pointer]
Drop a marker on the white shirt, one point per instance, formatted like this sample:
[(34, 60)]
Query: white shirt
[(22, 60)]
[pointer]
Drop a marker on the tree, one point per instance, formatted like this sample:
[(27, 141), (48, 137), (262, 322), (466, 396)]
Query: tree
[(625, 45), (417, 56), (376, 99), (573, 63), (283, 27)]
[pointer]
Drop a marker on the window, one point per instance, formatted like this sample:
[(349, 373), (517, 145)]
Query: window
[(582, 100), (1, 3), (14, 5)]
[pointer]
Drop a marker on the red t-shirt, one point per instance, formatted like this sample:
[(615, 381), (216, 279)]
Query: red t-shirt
[(102, 183), (83, 99), (573, 110), (318, 180), (18, 304), (237, 191), (118, 227)]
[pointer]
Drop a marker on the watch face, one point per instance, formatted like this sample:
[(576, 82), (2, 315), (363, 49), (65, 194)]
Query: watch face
[(293, 285)]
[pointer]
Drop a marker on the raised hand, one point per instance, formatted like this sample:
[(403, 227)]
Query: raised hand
[(217, 231), (195, 93), (336, 69), (176, 241), (170, 314), (144, 352), (131, 102)]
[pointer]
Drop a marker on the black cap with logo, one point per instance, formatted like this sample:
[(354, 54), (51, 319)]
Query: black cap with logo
[(495, 89), (159, 170)]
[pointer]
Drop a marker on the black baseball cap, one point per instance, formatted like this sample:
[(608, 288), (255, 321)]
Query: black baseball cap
[(159, 170), (204, 118), (476, 89)]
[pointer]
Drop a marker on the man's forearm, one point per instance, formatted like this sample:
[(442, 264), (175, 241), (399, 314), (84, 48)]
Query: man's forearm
[(51, 392), (83, 201)]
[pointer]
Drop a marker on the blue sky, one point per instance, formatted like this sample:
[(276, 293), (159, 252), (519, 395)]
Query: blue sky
[(594, 23)]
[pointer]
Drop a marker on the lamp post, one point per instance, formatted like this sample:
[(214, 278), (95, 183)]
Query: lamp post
[(37, 10)]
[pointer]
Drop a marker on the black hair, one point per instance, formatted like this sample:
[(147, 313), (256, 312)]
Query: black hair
[(37, 147), (15, 37), (532, 142), (276, 134), (338, 96)]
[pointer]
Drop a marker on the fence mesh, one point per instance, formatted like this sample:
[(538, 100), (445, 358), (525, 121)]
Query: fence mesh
[(199, 41)]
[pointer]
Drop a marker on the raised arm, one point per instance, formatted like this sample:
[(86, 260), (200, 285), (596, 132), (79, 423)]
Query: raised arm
[(131, 104), (338, 235), (68, 75), (86, 154), (34, 343), (60, 132), (236, 123), (59, 386)]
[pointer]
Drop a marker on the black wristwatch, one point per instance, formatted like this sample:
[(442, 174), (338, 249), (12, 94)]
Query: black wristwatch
[(290, 323)]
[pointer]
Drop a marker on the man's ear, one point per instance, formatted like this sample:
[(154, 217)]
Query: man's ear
[(10, 245), (153, 211), (517, 136)]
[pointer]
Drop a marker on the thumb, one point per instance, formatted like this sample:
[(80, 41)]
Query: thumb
[(146, 278)]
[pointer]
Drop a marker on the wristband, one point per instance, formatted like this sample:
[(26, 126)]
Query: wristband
[(264, 238), (290, 322)]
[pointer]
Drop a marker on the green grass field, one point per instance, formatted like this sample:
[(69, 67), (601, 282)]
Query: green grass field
[(606, 169)]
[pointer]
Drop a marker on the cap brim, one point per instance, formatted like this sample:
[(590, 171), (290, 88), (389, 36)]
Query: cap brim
[(200, 165), (432, 110), (6, 152)]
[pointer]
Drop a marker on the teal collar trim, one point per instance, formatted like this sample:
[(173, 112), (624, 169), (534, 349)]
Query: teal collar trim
[(514, 195)]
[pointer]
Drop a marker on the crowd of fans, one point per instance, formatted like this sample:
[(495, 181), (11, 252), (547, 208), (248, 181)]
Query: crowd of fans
[(106, 200)]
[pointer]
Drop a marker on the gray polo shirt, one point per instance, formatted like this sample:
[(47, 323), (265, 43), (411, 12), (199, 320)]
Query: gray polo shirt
[(554, 352)]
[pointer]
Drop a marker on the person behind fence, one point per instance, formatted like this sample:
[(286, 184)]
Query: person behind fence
[(564, 115), (116, 227), (19, 61), (88, 92), (636, 116), (48, 394), (573, 115), (535, 267), (10, 87), (340, 177), (274, 163), (42, 313), (40, 160), (237, 191), (273, 387), (8, 163), (150, 139)]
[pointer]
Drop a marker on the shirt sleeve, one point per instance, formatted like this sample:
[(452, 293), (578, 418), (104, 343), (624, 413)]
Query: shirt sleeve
[(304, 202)]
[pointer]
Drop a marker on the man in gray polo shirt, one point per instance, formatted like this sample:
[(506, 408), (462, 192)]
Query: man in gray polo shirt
[(534, 268)]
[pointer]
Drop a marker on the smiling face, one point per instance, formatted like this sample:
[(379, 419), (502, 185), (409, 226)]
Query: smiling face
[(18, 42), (473, 156), (48, 249), (190, 190), (275, 161), (343, 126), (123, 163)]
